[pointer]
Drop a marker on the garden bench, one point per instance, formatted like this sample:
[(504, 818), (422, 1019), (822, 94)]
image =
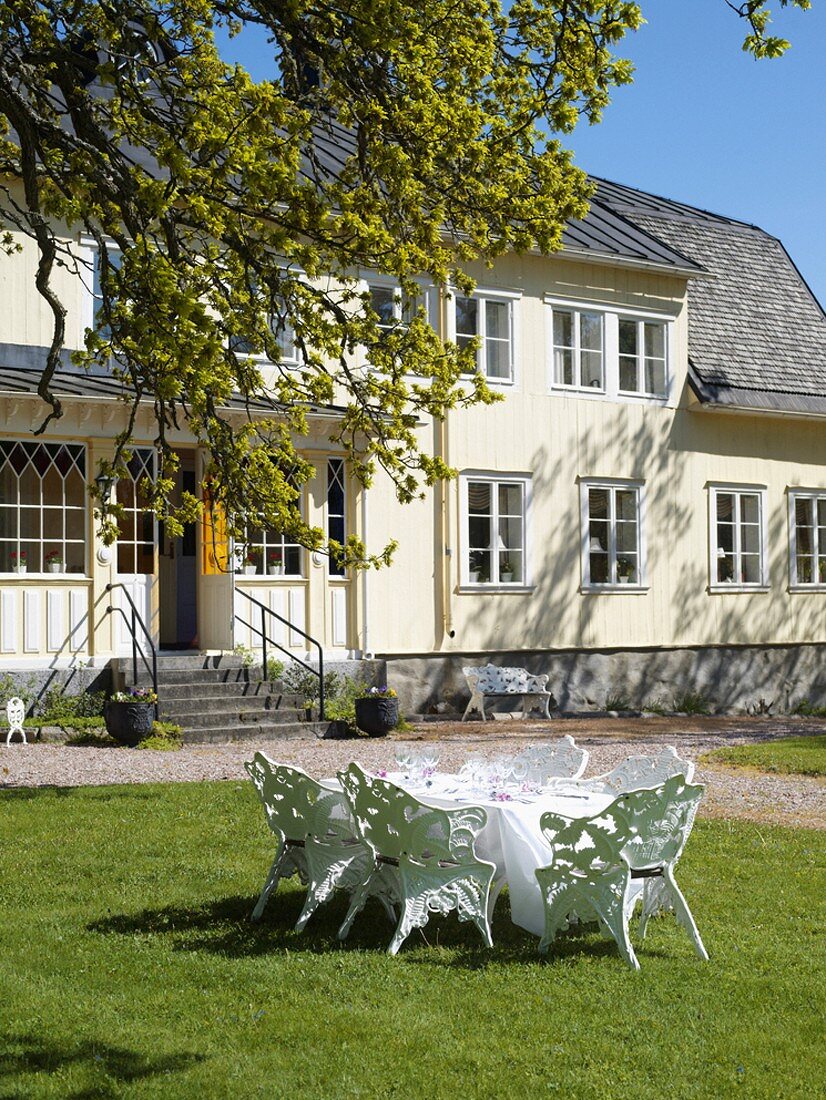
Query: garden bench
[(490, 680)]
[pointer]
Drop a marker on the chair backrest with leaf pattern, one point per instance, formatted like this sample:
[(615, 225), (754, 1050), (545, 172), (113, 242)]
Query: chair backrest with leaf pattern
[(584, 846), (397, 825), (560, 759), (644, 771), (661, 821), (297, 807)]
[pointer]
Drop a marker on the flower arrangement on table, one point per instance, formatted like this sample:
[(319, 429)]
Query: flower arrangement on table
[(134, 695)]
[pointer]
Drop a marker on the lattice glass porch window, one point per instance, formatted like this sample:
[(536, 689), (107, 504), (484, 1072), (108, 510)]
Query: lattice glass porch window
[(642, 357), (490, 319), (738, 551), (495, 532), (613, 551), (271, 552), (336, 510), (578, 348), (43, 507), (136, 526), (809, 539)]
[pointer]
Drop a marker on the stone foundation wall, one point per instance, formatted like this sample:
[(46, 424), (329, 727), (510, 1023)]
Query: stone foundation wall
[(733, 679), (33, 684)]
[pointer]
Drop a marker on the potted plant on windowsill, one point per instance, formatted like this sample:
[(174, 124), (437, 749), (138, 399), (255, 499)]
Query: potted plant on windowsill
[(251, 559), (19, 562), (625, 570), (377, 712), (506, 571), (129, 715), (55, 562), (275, 567)]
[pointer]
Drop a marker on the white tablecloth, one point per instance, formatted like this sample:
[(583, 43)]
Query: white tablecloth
[(512, 838)]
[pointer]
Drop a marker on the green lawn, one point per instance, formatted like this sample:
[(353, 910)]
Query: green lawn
[(790, 755), (128, 967)]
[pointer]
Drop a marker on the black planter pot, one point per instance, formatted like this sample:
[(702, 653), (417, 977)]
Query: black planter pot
[(377, 717), (129, 723)]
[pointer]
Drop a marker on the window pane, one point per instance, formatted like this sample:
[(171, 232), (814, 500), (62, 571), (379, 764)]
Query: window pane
[(750, 539), (725, 506), (33, 558), (479, 564), (497, 319), (510, 500), (382, 301), (626, 537), (514, 558), (479, 531), (599, 568), (598, 503), (749, 508), (52, 523), (725, 537), (821, 511), (590, 331), (467, 316), (821, 569), (126, 557), (628, 338), (655, 340), (803, 532), (145, 558), (725, 567), (75, 489), (598, 535), (751, 569), (30, 523), (628, 374), (8, 522), (497, 359), (626, 504), (479, 497), (804, 570), (592, 369), (564, 368), (563, 329), (627, 567), (655, 376), (29, 486), (510, 534)]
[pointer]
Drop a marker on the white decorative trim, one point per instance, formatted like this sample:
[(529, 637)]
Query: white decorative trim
[(8, 621), (78, 616), (296, 615), (31, 621), (55, 627)]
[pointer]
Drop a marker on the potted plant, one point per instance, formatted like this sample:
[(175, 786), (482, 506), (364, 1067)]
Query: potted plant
[(475, 567), (275, 566), (19, 562), (251, 559), (54, 562), (625, 570), (506, 571), (377, 712), (129, 715)]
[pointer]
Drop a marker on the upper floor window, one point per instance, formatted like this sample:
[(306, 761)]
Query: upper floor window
[(490, 319), (392, 307), (494, 520), (612, 550), (738, 538), (282, 333), (578, 348), (808, 537), (605, 351), (43, 507), (642, 357)]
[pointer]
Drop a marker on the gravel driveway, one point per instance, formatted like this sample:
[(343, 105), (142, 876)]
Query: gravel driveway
[(788, 800)]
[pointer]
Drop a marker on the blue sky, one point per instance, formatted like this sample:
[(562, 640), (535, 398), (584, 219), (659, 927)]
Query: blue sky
[(707, 124)]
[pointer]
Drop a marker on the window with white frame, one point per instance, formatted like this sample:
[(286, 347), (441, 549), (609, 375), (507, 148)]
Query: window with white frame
[(808, 537), (490, 319), (612, 533), (738, 540), (282, 332), (336, 511), (642, 359), (598, 350), (264, 550), (43, 507), (392, 307), (494, 521), (578, 348), (136, 525)]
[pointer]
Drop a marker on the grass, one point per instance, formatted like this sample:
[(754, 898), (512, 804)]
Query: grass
[(131, 969), (787, 756)]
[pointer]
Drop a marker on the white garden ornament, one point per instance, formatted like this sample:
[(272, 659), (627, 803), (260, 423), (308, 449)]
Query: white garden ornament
[(430, 853), (16, 712), (640, 836), (316, 838)]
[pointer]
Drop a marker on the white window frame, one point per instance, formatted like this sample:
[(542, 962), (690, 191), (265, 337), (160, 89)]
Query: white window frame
[(494, 478), (575, 313), (795, 584), (640, 356), (510, 298), (737, 488), (613, 484), (612, 314)]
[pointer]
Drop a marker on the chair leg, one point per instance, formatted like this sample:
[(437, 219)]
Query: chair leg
[(411, 917), (611, 906), (683, 913), (270, 884), (357, 903), (493, 896)]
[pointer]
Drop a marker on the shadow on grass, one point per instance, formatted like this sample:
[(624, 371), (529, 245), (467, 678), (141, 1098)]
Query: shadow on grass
[(22, 1054), (224, 927)]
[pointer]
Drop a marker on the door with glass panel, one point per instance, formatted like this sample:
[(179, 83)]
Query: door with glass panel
[(136, 566)]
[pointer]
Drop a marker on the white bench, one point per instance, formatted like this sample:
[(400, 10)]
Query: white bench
[(490, 680)]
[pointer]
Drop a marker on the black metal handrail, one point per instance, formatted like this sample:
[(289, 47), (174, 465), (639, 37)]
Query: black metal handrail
[(136, 621), (265, 640)]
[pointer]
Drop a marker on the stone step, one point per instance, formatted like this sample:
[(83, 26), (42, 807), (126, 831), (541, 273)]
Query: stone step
[(189, 676), (267, 703), (210, 719), (212, 689), (219, 735)]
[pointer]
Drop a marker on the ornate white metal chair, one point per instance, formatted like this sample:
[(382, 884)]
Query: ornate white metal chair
[(316, 838), (561, 759), (642, 771), (430, 852), (595, 860), (16, 712)]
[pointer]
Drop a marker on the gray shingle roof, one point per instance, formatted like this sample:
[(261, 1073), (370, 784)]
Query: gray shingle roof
[(756, 333)]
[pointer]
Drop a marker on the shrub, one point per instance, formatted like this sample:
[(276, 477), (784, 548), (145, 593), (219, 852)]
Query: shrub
[(692, 702), (617, 702), (657, 705), (57, 706), (275, 668), (165, 737), (806, 710)]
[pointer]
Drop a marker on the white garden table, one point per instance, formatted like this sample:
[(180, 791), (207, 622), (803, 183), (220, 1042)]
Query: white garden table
[(512, 838)]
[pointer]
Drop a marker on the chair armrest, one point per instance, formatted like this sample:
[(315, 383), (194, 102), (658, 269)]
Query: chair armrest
[(537, 683)]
